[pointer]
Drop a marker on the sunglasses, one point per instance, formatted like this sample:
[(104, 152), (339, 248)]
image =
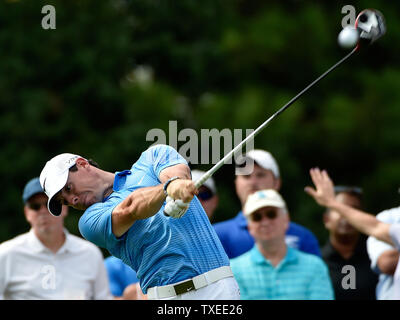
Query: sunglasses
[(205, 195), (258, 216), (36, 205), (348, 189)]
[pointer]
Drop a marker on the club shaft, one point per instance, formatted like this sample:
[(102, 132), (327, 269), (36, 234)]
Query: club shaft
[(230, 154)]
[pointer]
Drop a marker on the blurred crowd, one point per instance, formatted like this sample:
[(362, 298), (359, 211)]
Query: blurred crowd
[(272, 257)]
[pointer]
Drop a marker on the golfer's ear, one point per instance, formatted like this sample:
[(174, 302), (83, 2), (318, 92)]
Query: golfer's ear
[(81, 162)]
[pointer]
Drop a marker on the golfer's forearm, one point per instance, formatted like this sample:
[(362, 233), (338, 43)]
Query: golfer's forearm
[(364, 222), (180, 170), (140, 204), (144, 202)]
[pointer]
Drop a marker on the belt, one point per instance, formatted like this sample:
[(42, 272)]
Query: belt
[(185, 286)]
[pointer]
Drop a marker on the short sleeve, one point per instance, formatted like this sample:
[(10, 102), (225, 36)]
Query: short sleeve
[(376, 247), (394, 232), (95, 225), (162, 156)]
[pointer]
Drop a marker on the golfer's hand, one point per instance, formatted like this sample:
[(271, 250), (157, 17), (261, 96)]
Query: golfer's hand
[(182, 189), (175, 208), (324, 193)]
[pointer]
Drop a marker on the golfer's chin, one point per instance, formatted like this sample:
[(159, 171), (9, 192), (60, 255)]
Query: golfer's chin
[(83, 206), (90, 201), (86, 203)]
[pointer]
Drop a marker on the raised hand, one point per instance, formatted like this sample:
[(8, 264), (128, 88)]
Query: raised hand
[(324, 193)]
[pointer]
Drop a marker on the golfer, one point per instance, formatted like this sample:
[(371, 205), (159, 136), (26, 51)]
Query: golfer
[(150, 218)]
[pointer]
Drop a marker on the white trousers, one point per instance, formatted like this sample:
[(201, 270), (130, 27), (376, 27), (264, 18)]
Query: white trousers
[(224, 289)]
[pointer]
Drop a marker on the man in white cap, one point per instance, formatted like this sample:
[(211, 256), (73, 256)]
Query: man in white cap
[(272, 270), (207, 193), (149, 218), (260, 172)]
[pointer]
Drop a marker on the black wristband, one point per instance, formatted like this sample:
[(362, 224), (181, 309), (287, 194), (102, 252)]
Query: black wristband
[(167, 183)]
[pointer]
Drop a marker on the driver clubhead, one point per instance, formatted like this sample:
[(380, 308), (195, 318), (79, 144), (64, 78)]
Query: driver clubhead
[(371, 25)]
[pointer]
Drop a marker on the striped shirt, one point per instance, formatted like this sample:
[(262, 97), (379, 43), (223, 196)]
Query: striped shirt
[(299, 276), (162, 250)]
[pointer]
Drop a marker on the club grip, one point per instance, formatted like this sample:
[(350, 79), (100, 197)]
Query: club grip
[(203, 179)]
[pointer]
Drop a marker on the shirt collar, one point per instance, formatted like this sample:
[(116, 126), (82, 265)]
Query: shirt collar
[(258, 258), (120, 178), (37, 246), (69, 244), (329, 251)]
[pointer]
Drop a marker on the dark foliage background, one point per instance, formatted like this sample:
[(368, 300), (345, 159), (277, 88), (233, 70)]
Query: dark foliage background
[(113, 70)]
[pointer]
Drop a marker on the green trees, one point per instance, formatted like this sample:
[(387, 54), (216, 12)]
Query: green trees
[(113, 70)]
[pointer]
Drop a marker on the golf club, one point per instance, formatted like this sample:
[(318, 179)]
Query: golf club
[(371, 26)]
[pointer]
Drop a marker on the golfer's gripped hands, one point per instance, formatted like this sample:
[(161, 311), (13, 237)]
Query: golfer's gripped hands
[(324, 192), (182, 189)]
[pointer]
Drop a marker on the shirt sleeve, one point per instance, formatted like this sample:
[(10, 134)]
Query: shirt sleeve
[(161, 157), (95, 225), (376, 247), (394, 232)]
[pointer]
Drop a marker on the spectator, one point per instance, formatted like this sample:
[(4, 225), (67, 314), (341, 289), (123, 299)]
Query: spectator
[(48, 262), (234, 234), (384, 257), (124, 283), (207, 194), (324, 195), (271, 269), (347, 247)]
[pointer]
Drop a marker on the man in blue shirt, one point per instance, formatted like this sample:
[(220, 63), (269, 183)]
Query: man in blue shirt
[(124, 283), (124, 213), (234, 234), (272, 270)]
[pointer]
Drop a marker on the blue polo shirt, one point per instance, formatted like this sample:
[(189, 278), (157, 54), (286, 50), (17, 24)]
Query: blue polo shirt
[(237, 240), (120, 275), (299, 276), (162, 250)]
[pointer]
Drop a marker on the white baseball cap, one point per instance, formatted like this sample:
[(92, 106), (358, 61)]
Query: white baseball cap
[(54, 176), (209, 183), (261, 199), (265, 160)]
